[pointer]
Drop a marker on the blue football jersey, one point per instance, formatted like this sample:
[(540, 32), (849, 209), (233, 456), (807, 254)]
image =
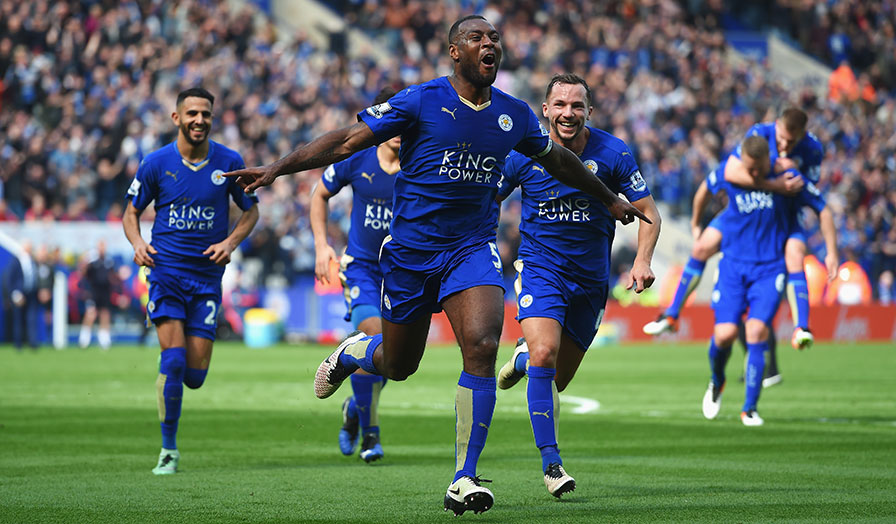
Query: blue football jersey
[(757, 223), (452, 154), (807, 154), (371, 201), (192, 204), (716, 177), (565, 227)]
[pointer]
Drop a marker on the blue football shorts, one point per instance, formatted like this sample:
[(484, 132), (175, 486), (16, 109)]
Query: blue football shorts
[(416, 281), (798, 232), (546, 292), (362, 282), (742, 285), (194, 302)]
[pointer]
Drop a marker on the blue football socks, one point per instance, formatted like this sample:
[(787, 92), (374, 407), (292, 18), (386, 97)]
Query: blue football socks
[(540, 397), (755, 371), (718, 358), (474, 405), (522, 360), (366, 391), (798, 296), (170, 388), (360, 354), (690, 277)]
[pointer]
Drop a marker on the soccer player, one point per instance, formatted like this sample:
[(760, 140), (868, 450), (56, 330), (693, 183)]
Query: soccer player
[(564, 261), (751, 273), (371, 176), (792, 148), (456, 132), (190, 247)]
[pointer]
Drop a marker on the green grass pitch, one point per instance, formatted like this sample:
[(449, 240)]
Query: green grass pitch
[(79, 434)]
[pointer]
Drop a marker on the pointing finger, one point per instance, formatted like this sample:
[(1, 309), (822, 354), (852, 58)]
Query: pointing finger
[(637, 213)]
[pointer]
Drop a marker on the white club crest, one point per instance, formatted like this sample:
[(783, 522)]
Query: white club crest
[(505, 122), (354, 292), (218, 177), (526, 300), (387, 302), (591, 165)]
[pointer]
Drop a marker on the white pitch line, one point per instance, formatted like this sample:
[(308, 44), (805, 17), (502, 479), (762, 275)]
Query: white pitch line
[(583, 405)]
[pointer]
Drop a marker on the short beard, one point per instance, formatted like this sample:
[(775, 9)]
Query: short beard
[(185, 132), (472, 74)]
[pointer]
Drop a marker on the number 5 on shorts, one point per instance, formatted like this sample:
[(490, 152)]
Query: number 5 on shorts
[(495, 254)]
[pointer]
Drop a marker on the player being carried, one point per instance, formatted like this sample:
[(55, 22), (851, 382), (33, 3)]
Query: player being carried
[(564, 261), (371, 175), (791, 148), (456, 132), (755, 226), (190, 247)]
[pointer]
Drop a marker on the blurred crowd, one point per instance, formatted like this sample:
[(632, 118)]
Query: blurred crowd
[(88, 87), (863, 34)]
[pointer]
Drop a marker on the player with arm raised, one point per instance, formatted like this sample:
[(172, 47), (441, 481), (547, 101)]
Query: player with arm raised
[(191, 244), (371, 176), (456, 132), (564, 261), (751, 275)]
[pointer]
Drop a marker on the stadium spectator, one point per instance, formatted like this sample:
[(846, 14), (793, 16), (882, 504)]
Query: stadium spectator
[(6, 215), (19, 281), (100, 282), (887, 267), (45, 277), (843, 87), (441, 250)]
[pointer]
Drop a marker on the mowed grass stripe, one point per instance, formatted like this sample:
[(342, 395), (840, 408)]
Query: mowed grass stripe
[(79, 435)]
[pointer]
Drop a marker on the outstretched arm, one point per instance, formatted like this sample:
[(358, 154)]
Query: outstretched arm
[(322, 151), (641, 276), (565, 166), (130, 221), (829, 232), (220, 253), (318, 213)]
